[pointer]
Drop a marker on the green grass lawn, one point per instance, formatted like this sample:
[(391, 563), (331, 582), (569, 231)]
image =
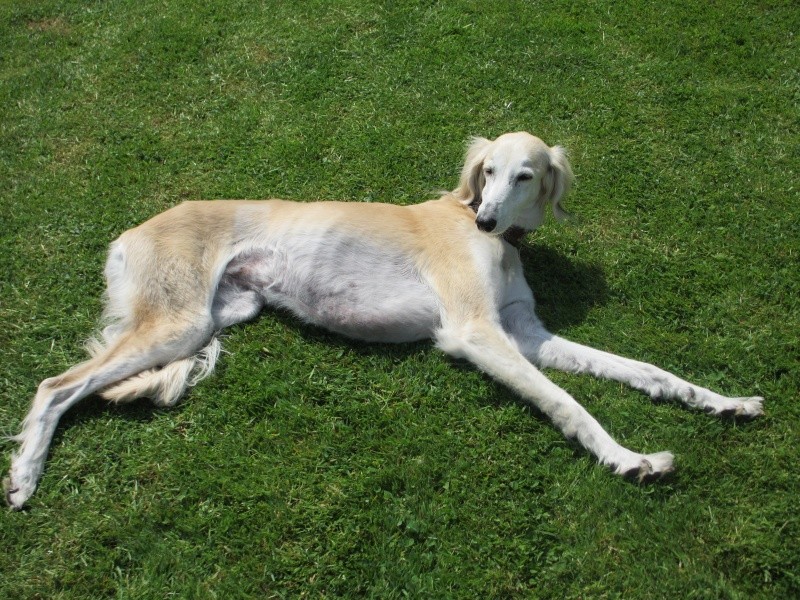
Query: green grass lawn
[(313, 467)]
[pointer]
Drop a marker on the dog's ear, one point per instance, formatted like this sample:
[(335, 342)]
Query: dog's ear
[(472, 178), (557, 181)]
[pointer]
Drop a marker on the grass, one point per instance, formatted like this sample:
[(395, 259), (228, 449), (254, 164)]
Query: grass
[(310, 466)]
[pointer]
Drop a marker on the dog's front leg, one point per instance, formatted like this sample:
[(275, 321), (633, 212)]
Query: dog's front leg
[(547, 350), (487, 346)]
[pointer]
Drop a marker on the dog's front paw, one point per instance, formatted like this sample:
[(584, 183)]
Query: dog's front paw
[(746, 407), (647, 467), (749, 407), (18, 490), (743, 408)]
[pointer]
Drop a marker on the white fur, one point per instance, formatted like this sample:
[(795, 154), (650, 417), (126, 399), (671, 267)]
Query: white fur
[(372, 272), (333, 279)]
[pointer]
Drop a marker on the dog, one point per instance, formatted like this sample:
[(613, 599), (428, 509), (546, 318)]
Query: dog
[(447, 269)]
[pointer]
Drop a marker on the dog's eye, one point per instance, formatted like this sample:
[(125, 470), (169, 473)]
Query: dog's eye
[(524, 177)]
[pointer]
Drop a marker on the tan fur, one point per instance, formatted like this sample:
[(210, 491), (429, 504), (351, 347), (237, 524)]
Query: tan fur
[(199, 233)]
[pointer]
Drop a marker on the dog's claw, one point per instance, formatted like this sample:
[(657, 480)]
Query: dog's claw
[(645, 470), (9, 491), (648, 473)]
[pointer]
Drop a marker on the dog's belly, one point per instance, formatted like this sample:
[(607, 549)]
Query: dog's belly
[(346, 285)]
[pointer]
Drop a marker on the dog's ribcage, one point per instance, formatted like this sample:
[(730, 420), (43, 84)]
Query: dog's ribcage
[(332, 279)]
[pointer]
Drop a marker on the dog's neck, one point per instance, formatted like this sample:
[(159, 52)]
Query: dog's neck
[(513, 235)]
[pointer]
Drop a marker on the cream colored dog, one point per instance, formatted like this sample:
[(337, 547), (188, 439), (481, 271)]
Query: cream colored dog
[(447, 269)]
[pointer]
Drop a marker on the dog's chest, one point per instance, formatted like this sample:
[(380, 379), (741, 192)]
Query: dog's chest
[(342, 283)]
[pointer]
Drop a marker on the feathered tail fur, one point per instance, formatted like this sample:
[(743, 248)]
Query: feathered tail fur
[(164, 385)]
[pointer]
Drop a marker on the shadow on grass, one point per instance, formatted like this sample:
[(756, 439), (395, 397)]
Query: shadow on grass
[(565, 289), (93, 407)]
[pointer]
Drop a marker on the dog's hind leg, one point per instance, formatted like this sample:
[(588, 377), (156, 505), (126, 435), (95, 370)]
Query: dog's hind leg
[(144, 347), (488, 347), (547, 350)]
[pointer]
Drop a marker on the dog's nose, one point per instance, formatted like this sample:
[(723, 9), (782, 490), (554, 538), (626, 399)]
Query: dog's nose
[(486, 224)]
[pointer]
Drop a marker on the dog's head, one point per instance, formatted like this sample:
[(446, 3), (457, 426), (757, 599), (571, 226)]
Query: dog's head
[(510, 180)]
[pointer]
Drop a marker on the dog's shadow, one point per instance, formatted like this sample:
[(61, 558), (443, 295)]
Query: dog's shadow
[(565, 289)]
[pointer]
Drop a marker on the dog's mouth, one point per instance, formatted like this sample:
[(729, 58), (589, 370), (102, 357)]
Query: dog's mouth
[(513, 235)]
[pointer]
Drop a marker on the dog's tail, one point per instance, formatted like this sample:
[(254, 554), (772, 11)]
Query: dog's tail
[(164, 385)]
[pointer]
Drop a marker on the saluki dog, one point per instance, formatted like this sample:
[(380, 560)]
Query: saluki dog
[(447, 269)]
